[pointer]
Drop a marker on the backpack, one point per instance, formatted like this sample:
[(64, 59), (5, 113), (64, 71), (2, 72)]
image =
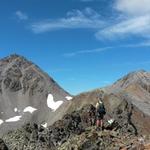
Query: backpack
[(101, 109)]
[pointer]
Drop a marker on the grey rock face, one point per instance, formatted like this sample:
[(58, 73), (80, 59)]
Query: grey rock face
[(24, 84)]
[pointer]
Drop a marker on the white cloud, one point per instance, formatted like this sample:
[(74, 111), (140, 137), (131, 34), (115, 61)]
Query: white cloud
[(102, 49), (21, 16), (133, 7), (88, 18), (134, 20), (139, 26), (71, 54)]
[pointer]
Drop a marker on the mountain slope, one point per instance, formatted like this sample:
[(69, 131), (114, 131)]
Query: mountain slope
[(28, 94), (131, 92), (136, 86)]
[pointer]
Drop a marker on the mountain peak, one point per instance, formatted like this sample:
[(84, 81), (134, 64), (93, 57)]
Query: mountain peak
[(23, 85), (13, 57), (140, 77), (134, 73), (137, 75)]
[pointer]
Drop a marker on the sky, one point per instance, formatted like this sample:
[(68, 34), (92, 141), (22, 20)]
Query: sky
[(82, 44)]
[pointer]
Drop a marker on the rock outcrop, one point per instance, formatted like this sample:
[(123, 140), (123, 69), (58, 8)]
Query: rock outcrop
[(75, 131), (3, 145)]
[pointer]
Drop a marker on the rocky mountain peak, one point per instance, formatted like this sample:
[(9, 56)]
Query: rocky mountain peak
[(137, 75), (13, 57), (24, 86), (14, 60), (141, 78)]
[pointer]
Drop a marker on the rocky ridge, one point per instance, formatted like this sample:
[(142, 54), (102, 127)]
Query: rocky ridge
[(76, 131), (131, 90)]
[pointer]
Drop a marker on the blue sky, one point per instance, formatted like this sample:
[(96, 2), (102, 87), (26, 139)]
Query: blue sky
[(82, 44)]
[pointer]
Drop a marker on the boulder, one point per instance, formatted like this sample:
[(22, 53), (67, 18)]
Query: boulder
[(2, 145)]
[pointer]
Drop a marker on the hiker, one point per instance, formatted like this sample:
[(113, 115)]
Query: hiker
[(100, 112)]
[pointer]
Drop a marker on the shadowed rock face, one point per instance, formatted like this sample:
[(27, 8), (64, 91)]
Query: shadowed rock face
[(3, 145), (23, 84)]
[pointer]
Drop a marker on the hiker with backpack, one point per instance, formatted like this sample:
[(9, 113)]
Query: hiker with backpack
[(100, 112)]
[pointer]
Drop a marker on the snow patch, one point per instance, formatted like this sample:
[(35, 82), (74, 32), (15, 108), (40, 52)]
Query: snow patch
[(29, 109), (110, 121), (1, 121), (69, 98), (13, 119), (44, 125), (52, 104), (15, 109)]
